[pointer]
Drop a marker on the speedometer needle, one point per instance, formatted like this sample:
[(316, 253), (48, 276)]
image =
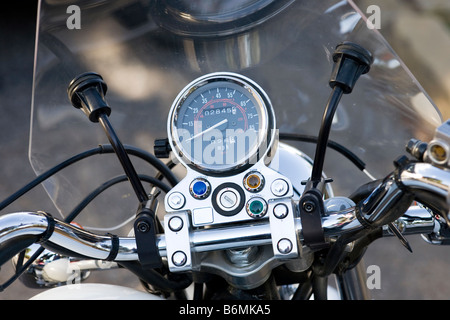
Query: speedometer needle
[(207, 130)]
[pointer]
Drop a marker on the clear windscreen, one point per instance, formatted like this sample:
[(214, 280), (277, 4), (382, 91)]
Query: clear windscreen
[(147, 51)]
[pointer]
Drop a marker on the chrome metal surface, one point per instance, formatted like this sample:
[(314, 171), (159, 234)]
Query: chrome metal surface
[(242, 257), (440, 234), (340, 222), (22, 224), (81, 242), (340, 216), (426, 177), (234, 182), (247, 277), (285, 239), (438, 150), (417, 220), (254, 233), (178, 244), (89, 244), (69, 237), (208, 216)]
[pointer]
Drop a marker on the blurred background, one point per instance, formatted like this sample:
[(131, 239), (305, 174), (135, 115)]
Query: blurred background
[(418, 30)]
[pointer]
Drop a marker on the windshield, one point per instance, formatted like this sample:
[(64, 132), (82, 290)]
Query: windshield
[(147, 51)]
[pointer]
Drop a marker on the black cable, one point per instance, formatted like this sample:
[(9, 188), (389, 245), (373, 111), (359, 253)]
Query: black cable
[(124, 160), (76, 211), (320, 287), (44, 176), (324, 133), (102, 149), (331, 144), (164, 169), (170, 164), (198, 291), (156, 279), (304, 290)]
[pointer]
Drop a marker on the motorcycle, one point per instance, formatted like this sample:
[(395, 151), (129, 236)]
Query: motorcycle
[(210, 198)]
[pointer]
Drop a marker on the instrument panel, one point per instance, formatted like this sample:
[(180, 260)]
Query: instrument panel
[(221, 127)]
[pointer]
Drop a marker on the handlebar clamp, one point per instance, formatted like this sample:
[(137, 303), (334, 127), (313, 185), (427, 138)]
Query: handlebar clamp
[(311, 210), (145, 230)]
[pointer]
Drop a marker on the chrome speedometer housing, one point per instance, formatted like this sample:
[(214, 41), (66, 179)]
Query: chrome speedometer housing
[(221, 124)]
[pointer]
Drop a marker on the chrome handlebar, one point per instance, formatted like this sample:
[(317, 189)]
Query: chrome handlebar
[(56, 235), (87, 244)]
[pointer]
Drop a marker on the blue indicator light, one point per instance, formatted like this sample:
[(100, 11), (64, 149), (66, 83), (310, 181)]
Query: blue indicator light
[(199, 188)]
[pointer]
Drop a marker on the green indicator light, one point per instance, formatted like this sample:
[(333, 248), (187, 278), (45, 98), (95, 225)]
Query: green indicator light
[(256, 207)]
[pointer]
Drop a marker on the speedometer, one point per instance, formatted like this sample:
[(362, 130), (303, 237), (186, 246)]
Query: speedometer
[(221, 122)]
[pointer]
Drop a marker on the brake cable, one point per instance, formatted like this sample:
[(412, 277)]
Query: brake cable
[(101, 149)]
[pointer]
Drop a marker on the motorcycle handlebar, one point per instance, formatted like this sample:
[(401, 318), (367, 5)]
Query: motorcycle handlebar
[(17, 230), (61, 237)]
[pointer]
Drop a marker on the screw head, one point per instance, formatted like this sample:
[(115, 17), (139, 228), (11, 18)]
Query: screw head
[(176, 224), (143, 226), (309, 206), (179, 258), (176, 200), (280, 211), (279, 187), (284, 246)]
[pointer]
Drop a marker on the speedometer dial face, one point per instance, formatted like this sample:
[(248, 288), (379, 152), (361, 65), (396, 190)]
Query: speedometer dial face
[(220, 123)]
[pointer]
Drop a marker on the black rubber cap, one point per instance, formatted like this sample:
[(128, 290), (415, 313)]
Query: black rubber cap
[(351, 61), (87, 92)]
